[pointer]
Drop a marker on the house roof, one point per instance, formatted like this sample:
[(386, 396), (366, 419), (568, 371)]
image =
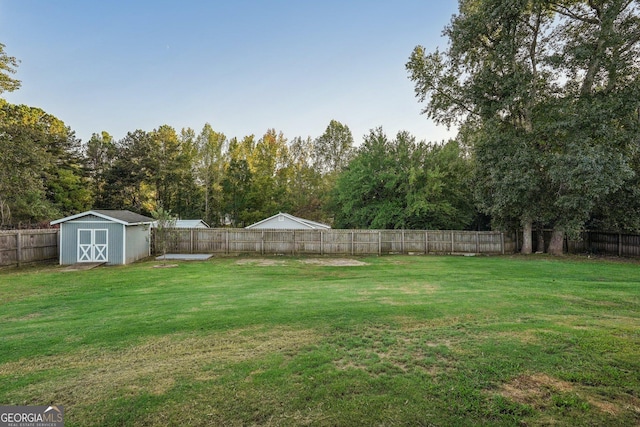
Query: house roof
[(305, 222), (190, 223), (119, 216)]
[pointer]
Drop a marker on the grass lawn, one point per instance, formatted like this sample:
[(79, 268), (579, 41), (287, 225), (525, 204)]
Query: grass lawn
[(402, 340)]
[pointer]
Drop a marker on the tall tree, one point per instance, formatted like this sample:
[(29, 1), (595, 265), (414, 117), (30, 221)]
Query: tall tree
[(403, 184), (189, 198), (127, 183), (166, 163), (306, 187), (100, 153), (210, 171), (42, 176), (333, 150), (271, 176), (8, 66), (528, 76), (237, 182)]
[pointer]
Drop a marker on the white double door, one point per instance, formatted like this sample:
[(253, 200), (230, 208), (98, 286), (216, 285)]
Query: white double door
[(92, 245)]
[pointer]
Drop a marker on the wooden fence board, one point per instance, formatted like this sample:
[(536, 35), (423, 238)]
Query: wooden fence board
[(26, 246), (336, 242)]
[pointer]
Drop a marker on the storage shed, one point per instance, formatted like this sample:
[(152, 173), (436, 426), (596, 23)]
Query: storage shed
[(284, 221), (109, 236)]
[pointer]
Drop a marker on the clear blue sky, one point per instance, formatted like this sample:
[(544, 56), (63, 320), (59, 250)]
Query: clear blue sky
[(242, 66)]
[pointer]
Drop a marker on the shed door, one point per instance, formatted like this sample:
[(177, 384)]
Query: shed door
[(92, 245)]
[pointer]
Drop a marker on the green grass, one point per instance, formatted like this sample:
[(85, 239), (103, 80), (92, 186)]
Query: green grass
[(400, 341)]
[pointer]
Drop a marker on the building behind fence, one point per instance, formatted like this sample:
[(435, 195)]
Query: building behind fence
[(19, 247)]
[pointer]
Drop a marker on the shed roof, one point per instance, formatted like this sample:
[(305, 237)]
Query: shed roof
[(306, 223), (119, 216)]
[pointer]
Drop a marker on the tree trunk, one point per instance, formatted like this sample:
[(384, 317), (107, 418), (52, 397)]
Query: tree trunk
[(556, 245), (527, 237), (540, 243)]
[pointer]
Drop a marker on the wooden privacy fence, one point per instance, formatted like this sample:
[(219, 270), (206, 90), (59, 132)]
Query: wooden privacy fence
[(338, 242), (606, 243), (23, 246)]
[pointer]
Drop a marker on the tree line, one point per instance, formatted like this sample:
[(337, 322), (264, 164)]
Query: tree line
[(385, 183), (545, 93)]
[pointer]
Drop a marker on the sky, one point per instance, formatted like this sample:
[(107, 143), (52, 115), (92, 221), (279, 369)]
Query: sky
[(242, 66)]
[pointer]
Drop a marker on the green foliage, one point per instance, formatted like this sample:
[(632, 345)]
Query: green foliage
[(164, 230), (402, 184), (100, 153), (8, 65), (210, 164), (333, 150), (548, 94), (43, 171), (128, 180)]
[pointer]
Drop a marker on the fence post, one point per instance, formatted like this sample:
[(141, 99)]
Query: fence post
[(226, 242), (619, 244), (321, 242), (379, 242), (191, 241), (262, 243), (18, 248), (452, 242), (502, 242), (402, 242), (293, 249), (477, 242), (352, 249), (426, 242)]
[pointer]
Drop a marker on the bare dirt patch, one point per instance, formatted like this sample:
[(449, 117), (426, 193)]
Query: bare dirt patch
[(153, 366), (334, 262), (534, 389), (260, 262), (165, 266), (537, 390)]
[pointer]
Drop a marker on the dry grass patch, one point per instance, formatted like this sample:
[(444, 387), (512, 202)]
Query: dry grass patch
[(334, 262), (382, 350), (261, 262), (537, 390), (152, 366)]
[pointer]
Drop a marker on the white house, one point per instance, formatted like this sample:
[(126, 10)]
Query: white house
[(284, 221)]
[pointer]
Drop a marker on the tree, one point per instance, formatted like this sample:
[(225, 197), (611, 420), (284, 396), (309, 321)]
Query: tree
[(43, 173), (164, 231), (189, 198), (401, 184), (210, 171), (8, 65), (127, 183), (535, 81), (167, 163), (333, 150), (269, 163), (100, 153), (307, 189), (237, 183)]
